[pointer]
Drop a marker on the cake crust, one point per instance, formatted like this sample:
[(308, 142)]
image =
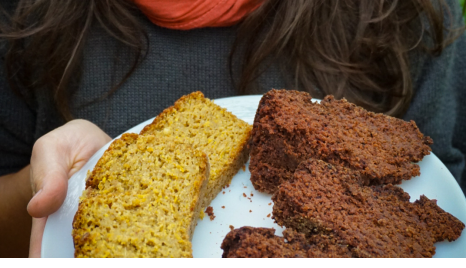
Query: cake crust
[(289, 128)]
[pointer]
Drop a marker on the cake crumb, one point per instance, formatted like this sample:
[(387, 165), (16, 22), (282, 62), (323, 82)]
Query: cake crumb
[(250, 211), (223, 206), (244, 168), (245, 187), (223, 192), (210, 211), (232, 227), (268, 216), (244, 195), (252, 194), (270, 204)]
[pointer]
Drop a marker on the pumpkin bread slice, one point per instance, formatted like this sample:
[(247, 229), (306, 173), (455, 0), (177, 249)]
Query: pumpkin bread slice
[(141, 200), (209, 128)]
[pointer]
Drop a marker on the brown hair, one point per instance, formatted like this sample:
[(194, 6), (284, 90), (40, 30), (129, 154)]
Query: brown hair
[(46, 40), (357, 49), (353, 49)]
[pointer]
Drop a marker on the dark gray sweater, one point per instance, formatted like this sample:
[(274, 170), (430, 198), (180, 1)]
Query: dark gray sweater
[(180, 62)]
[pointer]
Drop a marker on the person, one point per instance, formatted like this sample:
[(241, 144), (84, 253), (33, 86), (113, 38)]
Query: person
[(76, 73)]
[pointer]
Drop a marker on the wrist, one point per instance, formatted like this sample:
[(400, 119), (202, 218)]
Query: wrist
[(17, 185), (15, 222)]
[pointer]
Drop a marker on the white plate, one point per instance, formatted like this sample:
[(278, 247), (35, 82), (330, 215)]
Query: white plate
[(436, 182)]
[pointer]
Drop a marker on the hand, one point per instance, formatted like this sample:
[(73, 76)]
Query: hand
[(56, 156)]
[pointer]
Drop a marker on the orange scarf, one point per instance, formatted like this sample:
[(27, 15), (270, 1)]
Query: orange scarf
[(191, 14)]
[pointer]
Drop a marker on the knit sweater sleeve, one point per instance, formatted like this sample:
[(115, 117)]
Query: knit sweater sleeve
[(17, 118), (17, 122), (438, 104)]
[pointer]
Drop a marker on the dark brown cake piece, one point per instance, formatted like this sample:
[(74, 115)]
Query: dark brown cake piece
[(374, 221), (250, 242), (290, 128)]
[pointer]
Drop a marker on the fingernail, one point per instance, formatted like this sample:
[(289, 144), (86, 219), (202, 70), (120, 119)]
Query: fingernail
[(36, 195), (38, 192)]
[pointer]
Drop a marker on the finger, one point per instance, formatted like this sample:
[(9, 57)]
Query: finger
[(55, 157), (35, 247), (86, 145), (49, 198), (49, 177)]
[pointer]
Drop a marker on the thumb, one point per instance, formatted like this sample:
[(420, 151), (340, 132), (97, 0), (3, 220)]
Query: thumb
[(49, 177), (55, 157)]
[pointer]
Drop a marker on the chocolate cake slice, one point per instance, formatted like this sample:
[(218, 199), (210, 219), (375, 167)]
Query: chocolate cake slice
[(373, 221), (290, 128), (250, 242)]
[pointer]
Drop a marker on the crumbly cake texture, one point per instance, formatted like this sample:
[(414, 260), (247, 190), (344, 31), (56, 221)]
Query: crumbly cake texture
[(250, 242), (373, 221), (210, 128), (141, 200), (289, 128)]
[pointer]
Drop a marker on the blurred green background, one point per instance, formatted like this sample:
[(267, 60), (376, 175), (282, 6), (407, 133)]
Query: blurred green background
[(462, 2)]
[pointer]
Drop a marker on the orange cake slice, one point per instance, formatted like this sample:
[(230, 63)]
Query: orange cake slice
[(210, 128), (141, 200)]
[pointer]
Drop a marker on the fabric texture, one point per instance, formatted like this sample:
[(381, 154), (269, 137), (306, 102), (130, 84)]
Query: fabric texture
[(188, 15), (180, 62)]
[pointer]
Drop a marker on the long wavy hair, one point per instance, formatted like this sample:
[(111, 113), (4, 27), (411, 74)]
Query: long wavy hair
[(357, 49)]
